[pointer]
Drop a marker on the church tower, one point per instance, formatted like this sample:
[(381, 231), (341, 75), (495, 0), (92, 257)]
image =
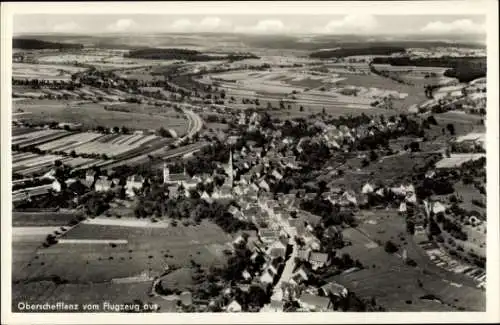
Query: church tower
[(229, 170), (166, 173)]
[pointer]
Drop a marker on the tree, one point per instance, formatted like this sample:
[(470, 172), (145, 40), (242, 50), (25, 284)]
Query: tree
[(72, 153), (415, 147), (451, 128), (390, 247), (432, 120)]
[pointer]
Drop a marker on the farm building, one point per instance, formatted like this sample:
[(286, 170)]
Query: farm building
[(319, 260)]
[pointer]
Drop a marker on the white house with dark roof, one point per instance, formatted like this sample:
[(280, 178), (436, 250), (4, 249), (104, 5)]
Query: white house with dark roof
[(234, 307), (102, 184)]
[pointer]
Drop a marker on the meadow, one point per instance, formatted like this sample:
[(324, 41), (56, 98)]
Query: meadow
[(148, 249), (94, 114), (393, 284)]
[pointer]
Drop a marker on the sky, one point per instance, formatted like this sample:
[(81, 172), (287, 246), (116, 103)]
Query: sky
[(250, 24)]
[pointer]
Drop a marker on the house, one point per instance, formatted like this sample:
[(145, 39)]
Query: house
[(56, 186), (334, 289), (277, 249), (205, 197), (402, 207), (314, 303), (246, 275), (276, 174), (348, 198), (303, 254), (256, 246), (178, 179), (238, 240), (438, 207), (319, 260), (222, 193), (312, 242), (89, 177), (299, 276), (233, 307), (273, 266), (133, 182), (102, 184), (367, 189), (268, 235), (232, 209), (264, 185), (238, 191), (267, 277)]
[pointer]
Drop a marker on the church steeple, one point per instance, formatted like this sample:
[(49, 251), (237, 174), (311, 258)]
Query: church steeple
[(229, 169)]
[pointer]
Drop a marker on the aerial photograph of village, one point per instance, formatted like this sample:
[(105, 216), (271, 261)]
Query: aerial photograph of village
[(251, 163)]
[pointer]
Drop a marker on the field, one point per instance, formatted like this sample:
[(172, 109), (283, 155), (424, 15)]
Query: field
[(104, 59), (95, 143), (43, 71), (457, 159), (34, 219), (93, 115), (29, 231), (147, 249), (36, 136), (393, 283), (30, 163), (341, 90), (394, 169)]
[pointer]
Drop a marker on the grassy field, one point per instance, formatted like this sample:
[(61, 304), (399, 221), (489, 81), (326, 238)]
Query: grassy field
[(148, 249), (34, 219), (394, 284), (391, 170), (93, 115), (416, 94), (43, 71)]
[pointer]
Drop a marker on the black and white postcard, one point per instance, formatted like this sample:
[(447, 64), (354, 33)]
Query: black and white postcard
[(235, 162)]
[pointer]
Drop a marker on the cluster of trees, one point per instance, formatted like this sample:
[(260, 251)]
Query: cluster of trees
[(185, 54), (298, 129), (314, 154), (35, 83), (389, 75), (205, 161), (330, 214), (356, 51), (436, 186), (465, 69), (35, 44), (429, 90), (451, 227), (390, 247)]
